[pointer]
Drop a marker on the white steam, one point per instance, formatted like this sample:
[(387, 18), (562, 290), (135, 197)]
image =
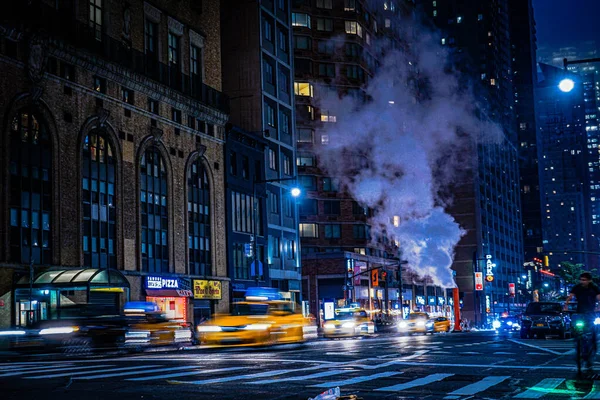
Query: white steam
[(399, 155)]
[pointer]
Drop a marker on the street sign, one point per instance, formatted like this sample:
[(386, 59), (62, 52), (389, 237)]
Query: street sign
[(374, 277), (478, 280), (248, 249), (511, 289), (253, 269)]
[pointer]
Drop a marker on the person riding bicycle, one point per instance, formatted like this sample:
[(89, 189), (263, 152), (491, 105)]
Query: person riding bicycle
[(587, 294)]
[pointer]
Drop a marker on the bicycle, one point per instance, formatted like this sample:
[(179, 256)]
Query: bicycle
[(584, 329)]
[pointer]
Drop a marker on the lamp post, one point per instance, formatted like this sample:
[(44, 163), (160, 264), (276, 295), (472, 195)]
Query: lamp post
[(295, 192)]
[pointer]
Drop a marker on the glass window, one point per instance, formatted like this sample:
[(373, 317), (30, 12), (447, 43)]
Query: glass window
[(272, 160), (173, 49), (287, 164), (331, 207), (154, 212), (305, 160), (309, 230), (95, 19), (328, 4), (330, 184), (151, 32), (327, 117), (270, 115), (98, 201), (199, 221), (324, 24), (308, 207), (353, 28), (327, 70), (304, 135), (301, 20), (268, 30), (360, 231), (30, 190), (349, 5), (196, 61), (308, 182), (333, 231), (302, 42), (303, 89), (284, 122)]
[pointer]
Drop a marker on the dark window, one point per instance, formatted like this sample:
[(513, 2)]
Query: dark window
[(176, 115), (95, 18), (324, 24), (284, 80), (287, 164), (302, 42), (330, 184), (273, 203), (269, 76), (304, 135), (98, 202), (153, 106), (326, 47), (308, 182), (284, 121), (328, 4), (272, 160), (268, 30), (195, 61), (154, 212), (151, 39), (233, 163), (30, 190), (274, 247), (173, 49), (308, 207), (270, 115), (288, 206), (327, 70), (100, 84), (357, 209), (245, 167), (360, 231), (331, 207), (333, 231), (282, 39), (199, 229), (127, 95), (242, 213)]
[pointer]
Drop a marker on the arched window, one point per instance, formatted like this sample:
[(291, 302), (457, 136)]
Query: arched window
[(155, 217), (30, 190), (98, 198), (199, 220)]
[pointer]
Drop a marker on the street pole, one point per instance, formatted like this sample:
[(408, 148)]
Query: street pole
[(254, 228), (31, 276)]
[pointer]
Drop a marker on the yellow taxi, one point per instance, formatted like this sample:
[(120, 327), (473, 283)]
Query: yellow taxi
[(348, 322), (441, 324), (417, 322), (260, 321)]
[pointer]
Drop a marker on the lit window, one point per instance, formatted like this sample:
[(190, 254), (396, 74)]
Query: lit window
[(396, 221), (309, 230), (443, 41), (272, 160), (199, 232), (435, 13), (301, 20), (493, 82), (458, 20), (353, 28), (327, 117), (324, 139), (303, 89), (349, 5), (96, 18), (388, 22)]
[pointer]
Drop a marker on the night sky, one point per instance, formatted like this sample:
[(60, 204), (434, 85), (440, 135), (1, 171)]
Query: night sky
[(566, 23)]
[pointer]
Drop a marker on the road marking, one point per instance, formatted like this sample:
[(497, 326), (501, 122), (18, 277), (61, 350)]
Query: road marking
[(470, 353), (359, 379), (541, 389), (301, 378), (189, 373), (238, 378), (51, 370), (480, 386), (30, 368), (415, 383), (93, 372), (535, 347), (595, 392), (503, 353), (122, 373), (488, 366)]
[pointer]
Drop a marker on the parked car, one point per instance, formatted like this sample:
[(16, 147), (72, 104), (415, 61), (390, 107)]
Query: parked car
[(545, 318)]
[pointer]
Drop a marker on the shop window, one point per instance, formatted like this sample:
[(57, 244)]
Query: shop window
[(30, 190), (199, 222), (154, 212), (98, 202)]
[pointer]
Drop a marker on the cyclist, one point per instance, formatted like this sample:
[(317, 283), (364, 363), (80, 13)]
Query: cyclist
[(587, 294)]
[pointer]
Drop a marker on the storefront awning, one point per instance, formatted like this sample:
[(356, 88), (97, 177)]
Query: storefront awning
[(169, 293), (69, 278)]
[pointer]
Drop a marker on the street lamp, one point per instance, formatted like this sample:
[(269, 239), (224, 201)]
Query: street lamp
[(566, 85), (295, 192)]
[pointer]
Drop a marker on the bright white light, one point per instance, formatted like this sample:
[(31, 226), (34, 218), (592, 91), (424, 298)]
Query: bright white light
[(509, 323), (402, 325), (10, 333), (420, 323), (295, 192), (329, 326), (55, 331), (524, 276), (496, 324), (545, 285), (597, 321), (209, 328), (257, 327), (566, 85), (391, 101), (517, 326), (348, 325)]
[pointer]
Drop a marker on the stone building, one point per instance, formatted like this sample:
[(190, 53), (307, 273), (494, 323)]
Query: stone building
[(111, 183)]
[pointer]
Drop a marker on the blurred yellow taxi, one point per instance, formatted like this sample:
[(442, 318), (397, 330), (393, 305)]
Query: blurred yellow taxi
[(257, 323), (441, 324), (417, 322), (148, 326), (348, 322)]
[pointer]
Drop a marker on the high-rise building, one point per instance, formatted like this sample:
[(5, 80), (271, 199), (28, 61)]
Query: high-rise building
[(257, 76), (524, 70), (487, 203), (565, 165), (111, 169)]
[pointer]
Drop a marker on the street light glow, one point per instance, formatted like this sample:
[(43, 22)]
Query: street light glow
[(545, 285), (566, 85), (295, 192), (524, 276)]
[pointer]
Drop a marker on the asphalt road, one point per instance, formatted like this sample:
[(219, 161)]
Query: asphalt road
[(476, 365)]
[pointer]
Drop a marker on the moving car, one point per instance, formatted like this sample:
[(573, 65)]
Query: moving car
[(348, 322), (545, 318), (250, 323), (417, 322), (441, 324), (509, 324)]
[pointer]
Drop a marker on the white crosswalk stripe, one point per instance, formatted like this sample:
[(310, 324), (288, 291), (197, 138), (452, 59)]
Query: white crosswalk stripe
[(479, 386), (189, 373), (92, 372), (358, 379), (542, 388), (301, 378), (50, 369), (417, 382)]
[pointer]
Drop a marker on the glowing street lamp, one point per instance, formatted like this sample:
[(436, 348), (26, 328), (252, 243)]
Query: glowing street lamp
[(295, 192), (566, 85)]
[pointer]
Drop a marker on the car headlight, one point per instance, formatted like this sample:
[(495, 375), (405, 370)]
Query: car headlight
[(10, 333), (420, 323), (516, 326), (597, 321), (509, 323), (208, 328), (348, 325), (496, 324), (61, 330), (257, 327), (402, 325), (329, 326)]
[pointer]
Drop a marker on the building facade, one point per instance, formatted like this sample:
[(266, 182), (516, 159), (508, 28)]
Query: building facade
[(112, 185), (487, 203), (257, 76)]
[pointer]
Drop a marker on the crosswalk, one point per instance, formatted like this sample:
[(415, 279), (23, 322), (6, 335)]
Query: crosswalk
[(450, 384)]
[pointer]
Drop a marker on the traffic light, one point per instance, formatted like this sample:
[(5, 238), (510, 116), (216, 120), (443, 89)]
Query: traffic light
[(546, 261), (374, 277), (384, 275)]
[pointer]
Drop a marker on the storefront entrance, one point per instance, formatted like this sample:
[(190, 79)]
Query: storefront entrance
[(175, 308)]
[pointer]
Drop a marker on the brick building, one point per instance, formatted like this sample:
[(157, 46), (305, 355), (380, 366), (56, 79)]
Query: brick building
[(111, 184)]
